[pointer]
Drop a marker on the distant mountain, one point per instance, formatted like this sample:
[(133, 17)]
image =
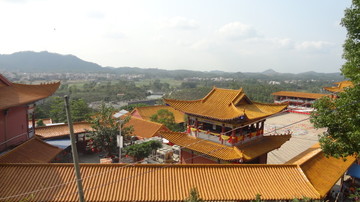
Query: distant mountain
[(29, 61), (270, 72)]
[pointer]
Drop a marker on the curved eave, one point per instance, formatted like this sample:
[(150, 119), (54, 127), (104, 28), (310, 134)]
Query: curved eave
[(21, 94)]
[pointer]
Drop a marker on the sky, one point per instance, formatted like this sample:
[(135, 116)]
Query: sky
[(204, 35)]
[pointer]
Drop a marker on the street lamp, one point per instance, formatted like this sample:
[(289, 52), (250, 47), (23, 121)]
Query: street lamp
[(119, 137)]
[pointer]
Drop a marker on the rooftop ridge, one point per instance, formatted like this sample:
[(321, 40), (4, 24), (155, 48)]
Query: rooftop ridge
[(152, 122), (5, 80), (63, 124), (151, 165)]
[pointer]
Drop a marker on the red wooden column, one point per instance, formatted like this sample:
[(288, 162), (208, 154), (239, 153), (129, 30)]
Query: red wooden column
[(233, 136), (188, 125), (262, 127), (222, 132), (196, 127), (241, 136), (258, 129)]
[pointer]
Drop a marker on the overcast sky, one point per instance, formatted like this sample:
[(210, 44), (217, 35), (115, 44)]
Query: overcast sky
[(205, 35)]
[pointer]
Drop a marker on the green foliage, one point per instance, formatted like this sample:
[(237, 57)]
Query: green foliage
[(304, 199), (103, 91), (143, 150), (257, 198), (356, 195), (105, 129), (28, 198), (54, 108), (57, 110), (351, 21), (39, 123), (167, 118), (194, 196), (342, 116), (133, 106)]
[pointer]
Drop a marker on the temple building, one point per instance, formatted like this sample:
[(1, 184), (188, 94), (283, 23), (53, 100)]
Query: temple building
[(225, 127), (340, 87), (17, 104), (299, 102)]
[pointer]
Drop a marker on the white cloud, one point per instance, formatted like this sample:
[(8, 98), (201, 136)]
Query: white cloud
[(237, 30), (181, 23), (312, 45)]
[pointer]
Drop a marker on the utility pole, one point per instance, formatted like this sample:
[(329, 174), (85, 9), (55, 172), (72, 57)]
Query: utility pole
[(120, 138), (74, 151)]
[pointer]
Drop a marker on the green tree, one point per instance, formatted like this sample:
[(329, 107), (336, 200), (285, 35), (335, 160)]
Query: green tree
[(143, 150), (105, 130), (57, 110), (167, 118), (39, 123), (194, 196), (131, 107), (342, 116), (80, 110)]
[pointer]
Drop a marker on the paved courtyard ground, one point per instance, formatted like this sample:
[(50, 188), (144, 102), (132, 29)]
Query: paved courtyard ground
[(304, 135)]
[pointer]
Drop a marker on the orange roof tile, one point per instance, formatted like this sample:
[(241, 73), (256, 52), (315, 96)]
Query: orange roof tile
[(19, 94), (299, 94), (340, 86), (248, 151), (225, 104), (322, 172), (144, 128), (154, 182), (148, 111), (31, 151), (54, 131)]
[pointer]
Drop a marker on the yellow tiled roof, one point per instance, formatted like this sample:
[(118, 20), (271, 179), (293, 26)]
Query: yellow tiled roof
[(322, 172), (19, 94), (54, 131), (144, 128), (225, 104), (340, 86), (31, 151), (154, 182), (262, 146), (148, 111), (248, 151), (299, 94), (204, 146)]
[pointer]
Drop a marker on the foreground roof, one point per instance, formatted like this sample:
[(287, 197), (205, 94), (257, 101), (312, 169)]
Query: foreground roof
[(322, 172), (246, 151), (299, 94), (225, 104), (154, 182), (55, 131), (340, 86), (13, 94), (145, 129), (148, 111), (31, 151)]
